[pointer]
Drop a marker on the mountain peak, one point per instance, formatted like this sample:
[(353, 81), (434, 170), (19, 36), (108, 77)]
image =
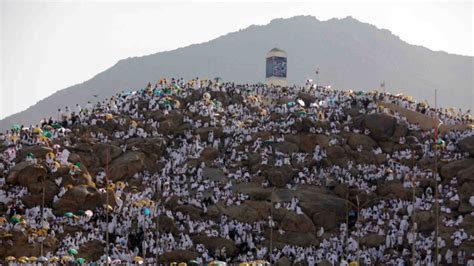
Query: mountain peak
[(300, 18), (350, 54)]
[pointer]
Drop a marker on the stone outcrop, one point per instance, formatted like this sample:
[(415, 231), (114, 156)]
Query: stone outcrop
[(126, 165), (381, 126)]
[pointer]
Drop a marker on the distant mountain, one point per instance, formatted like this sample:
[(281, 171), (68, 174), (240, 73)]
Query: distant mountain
[(349, 54)]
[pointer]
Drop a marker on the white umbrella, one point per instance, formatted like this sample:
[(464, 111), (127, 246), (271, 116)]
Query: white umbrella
[(300, 102)]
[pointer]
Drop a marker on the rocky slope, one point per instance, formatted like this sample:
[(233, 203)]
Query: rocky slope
[(207, 154)]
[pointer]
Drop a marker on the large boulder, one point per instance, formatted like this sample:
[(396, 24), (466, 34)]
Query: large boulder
[(466, 175), (150, 146), (36, 199), (80, 198), (279, 176), (213, 174), (87, 159), (467, 145), (292, 238), (249, 211), (194, 212), (425, 220), (372, 240), (393, 189), (307, 143), (254, 159), (426, 163), (213, 243), (283, 261), (465, 193), (294, 222), (387, 146), (451, 169), (178, 256), (170, 123), (254, 190), (468, 224), (318, 204), (401, 130), (127, 165), (337, 155), (263, 135), (285, 147), (31, 177), (92, 250), (82, 177), (106, 152), (167, 225), (363, 157), (20, 246), (326, 220), (12, 177), (204, 132), (366, 142), (381, 126), (37, 151), (209, 154)]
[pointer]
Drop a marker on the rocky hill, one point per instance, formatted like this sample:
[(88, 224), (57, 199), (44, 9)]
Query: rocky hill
[(350, 55), (228, 172)]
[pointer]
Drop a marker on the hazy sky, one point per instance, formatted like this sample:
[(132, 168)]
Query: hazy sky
[(48, 46)]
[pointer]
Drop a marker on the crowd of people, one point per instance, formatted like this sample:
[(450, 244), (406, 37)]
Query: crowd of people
[(131, 224)]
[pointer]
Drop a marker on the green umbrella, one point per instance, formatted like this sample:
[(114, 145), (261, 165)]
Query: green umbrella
[(176, 87), (16, 127), (15, 220), (193, 262), (80, 213), (80, 260), (302, 113), (57, 126), (47, 134), (72, 251), (68, 214)]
